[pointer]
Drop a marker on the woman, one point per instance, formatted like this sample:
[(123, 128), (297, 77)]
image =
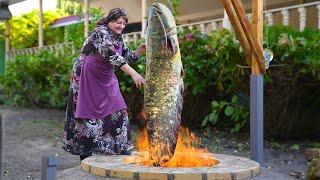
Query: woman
[(96, 118)]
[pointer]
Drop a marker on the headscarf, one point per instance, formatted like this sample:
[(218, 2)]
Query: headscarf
[(114, 14)]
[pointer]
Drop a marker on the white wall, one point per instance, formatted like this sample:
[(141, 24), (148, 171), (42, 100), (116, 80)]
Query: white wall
[(190, 10)]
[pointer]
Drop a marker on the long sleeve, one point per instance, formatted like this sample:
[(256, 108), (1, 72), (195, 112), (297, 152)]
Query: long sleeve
[(128, 55), (100, 42)]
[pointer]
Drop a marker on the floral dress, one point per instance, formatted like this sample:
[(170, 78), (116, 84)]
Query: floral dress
[(110, 134)]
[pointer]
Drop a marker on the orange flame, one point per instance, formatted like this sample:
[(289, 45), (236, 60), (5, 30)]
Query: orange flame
[(186, 155)]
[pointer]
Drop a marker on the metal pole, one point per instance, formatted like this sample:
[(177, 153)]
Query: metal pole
[(256, 88), (2, 140), (49, 167), (256, 118)]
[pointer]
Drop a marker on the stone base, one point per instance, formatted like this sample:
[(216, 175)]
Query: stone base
[(230, 167)]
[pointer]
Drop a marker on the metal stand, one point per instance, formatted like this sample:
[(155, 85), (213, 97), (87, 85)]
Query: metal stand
[(256, 118), (49, 167)]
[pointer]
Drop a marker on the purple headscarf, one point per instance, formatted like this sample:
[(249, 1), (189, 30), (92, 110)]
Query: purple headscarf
[(114, 14)]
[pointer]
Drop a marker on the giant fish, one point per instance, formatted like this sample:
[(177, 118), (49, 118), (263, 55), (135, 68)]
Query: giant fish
[(163, 96)]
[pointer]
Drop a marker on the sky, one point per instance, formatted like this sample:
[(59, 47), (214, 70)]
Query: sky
[(28, 5)]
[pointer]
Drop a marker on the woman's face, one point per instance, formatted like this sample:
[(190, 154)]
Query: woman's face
[(118, 25)]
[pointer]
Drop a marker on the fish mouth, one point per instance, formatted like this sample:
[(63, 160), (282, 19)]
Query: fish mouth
[(156, 7)]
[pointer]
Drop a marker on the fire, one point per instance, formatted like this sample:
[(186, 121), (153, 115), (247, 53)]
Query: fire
[(186, 155)]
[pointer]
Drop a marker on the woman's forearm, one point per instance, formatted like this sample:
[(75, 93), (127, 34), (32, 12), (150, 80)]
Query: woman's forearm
[(138, 80), (128, 69)]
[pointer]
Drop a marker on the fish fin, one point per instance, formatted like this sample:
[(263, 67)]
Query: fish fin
[(174, 44), (182, 72), (171, 44), (180, 101)]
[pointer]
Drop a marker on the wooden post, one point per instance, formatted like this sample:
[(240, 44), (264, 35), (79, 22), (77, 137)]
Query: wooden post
[(86, 18), (238, 29), (256, 88), (7, 38), (143, 18), (40, 25), (257, 28), (251, 36)]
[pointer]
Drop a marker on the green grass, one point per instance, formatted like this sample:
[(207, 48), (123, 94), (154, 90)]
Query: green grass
[(43, 128)]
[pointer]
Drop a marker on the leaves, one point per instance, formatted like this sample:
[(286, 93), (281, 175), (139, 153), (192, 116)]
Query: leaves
[(295, 147), (275, 145), (234, 99), (24, 30), (214, 104), (39, 80), (210, 61), (228, 111), (232, 111)]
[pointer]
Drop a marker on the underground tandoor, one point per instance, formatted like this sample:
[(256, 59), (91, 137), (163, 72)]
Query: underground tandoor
[(164, 88)]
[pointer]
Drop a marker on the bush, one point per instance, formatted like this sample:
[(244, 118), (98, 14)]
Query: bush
[(40, 80), (291, 95), (211, 77)]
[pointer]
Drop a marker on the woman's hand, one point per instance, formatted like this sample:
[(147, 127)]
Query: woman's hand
[(138, 80), (141, 49)]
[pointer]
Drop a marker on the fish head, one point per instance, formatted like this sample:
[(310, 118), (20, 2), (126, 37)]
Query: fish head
[(162, 27)]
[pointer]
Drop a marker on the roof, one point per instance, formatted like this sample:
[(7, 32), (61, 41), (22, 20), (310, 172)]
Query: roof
[(5, 13), (65, 21), (9, 2)]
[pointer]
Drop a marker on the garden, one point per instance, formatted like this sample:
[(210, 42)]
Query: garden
[(216, 98)]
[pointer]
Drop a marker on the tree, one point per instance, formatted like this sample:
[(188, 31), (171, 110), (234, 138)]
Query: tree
[(24, 30)]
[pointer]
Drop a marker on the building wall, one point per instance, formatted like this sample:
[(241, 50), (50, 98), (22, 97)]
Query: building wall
[(133, 7), (197, 10)]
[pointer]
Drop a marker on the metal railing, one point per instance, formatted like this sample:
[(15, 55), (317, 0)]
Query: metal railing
[(210, 25), (29, 51), (269, 15)]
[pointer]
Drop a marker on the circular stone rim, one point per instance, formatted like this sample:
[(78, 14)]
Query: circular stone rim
[(230, 167)]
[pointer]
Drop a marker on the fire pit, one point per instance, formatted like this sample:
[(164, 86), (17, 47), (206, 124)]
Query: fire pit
[(187, 163), (229, 167)]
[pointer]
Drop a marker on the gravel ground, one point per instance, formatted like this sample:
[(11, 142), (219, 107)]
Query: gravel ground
[(33, 133)]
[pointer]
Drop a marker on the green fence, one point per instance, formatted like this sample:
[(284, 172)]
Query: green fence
[(2, 57)]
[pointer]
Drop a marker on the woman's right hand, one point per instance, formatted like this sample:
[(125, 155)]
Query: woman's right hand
[(138, 80)]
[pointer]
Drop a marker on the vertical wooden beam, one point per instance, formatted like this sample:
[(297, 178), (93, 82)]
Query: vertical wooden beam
[(256, 47), (40, 25), (257, 27), (239, 32), (318, 7), (256, 88), (86, 18), (7, 37), (143, 17)]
